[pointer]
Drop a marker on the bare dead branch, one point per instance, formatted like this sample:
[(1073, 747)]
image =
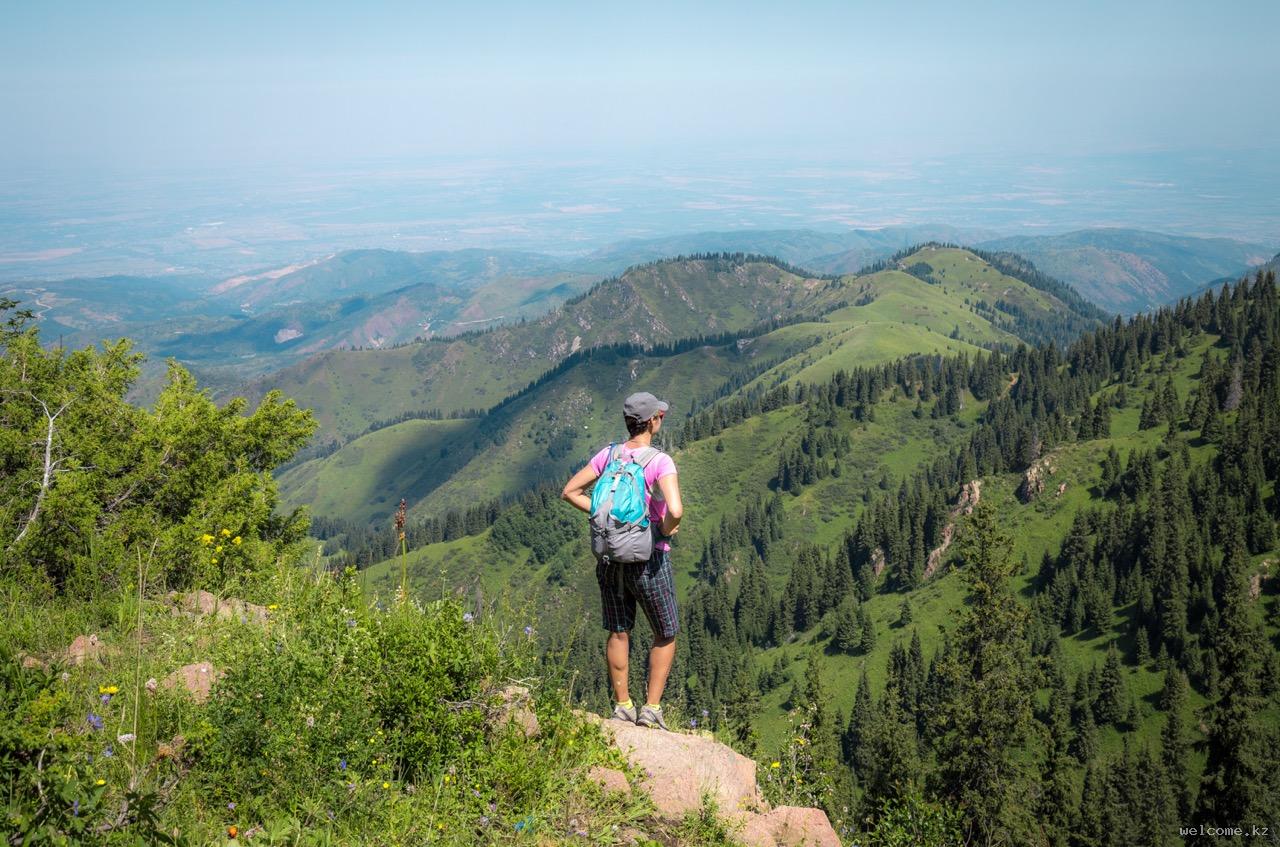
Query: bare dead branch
[(50, 467)]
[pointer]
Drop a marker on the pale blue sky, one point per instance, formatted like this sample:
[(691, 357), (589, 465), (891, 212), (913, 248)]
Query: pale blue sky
[(172, 84)]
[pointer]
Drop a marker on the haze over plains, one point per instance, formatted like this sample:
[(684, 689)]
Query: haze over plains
[(144, 137)]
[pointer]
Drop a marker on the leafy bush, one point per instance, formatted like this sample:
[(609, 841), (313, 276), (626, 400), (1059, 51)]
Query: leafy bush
[(89, 481)]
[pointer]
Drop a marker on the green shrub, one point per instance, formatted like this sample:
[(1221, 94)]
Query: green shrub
[(89, 481)]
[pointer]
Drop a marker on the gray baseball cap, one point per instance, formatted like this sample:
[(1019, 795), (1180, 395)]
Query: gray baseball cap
[(642, 406)]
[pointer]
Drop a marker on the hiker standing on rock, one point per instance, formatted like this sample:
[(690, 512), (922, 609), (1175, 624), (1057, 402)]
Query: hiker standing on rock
[(635, 508)]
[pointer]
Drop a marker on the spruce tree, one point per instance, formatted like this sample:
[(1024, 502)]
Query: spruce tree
[(742, 708), (866, 630), (1089, 831), (1175, 749), (987, 717), (1233, 785), (1142, 646), (1112, 698), (1154, 821), (1056, 806), (847, 638)]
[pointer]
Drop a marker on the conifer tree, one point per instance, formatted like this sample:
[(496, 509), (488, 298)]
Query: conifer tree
[(846, 639), (1175, 746), (904, 612), (1233, 786), (742, 709), (855, 743), (866, 629), (1154, 818), (1056, 806), (1112, 698), (987, 717), (1089, 831)]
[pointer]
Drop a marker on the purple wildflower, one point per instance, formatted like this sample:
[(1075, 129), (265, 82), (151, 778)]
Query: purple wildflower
[(108, 753), (693, 722), (95, 722), (342, 764), (104, 698), (528, 630), (467, 617), (231, 807), (75, 808)]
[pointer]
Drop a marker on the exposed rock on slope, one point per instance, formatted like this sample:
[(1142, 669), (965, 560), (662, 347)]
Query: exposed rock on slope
[(969, 496), (679, 767)]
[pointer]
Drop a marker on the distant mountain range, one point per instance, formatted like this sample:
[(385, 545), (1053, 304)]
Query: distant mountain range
[(252, 324), (1129, 270)]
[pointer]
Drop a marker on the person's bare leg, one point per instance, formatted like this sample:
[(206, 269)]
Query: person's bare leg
[(616, 651), (661, 655)]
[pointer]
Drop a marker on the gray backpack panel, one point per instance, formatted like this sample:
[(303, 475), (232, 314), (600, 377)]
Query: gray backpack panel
[(611, 539)]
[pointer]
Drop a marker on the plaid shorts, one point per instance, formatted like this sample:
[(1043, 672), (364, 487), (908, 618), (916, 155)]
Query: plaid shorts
[(651, 583)]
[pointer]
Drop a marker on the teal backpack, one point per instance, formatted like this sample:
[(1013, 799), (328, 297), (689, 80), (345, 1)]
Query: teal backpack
[(620, 530)]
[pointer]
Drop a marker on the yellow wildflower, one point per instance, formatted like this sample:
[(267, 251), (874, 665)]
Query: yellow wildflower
[(206, 538), (214, 560), (386, 785), (775, 765), (100, 782), (235, 540), (273, 606), (440, 826), (218, 549), (226, 533)]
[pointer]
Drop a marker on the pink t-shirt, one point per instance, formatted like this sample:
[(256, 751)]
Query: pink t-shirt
[(654, 471)]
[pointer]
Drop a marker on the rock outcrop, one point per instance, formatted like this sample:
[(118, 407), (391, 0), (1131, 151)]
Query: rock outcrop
[(1033, 481), (789, 826), (679, 768), (877, 561), (970, 494), (198, 604), (196, 679), (85, 648)]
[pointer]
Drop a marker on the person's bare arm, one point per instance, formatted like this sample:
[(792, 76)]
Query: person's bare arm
[(575, 488), (670, 487)]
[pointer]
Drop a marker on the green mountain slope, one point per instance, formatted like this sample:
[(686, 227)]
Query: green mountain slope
[(649, 305), (543, 433)]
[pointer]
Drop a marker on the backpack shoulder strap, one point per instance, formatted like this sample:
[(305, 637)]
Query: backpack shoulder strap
[(645, 455)]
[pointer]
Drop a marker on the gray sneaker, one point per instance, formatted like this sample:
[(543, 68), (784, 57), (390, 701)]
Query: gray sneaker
[(650, 717), (622, 713)]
